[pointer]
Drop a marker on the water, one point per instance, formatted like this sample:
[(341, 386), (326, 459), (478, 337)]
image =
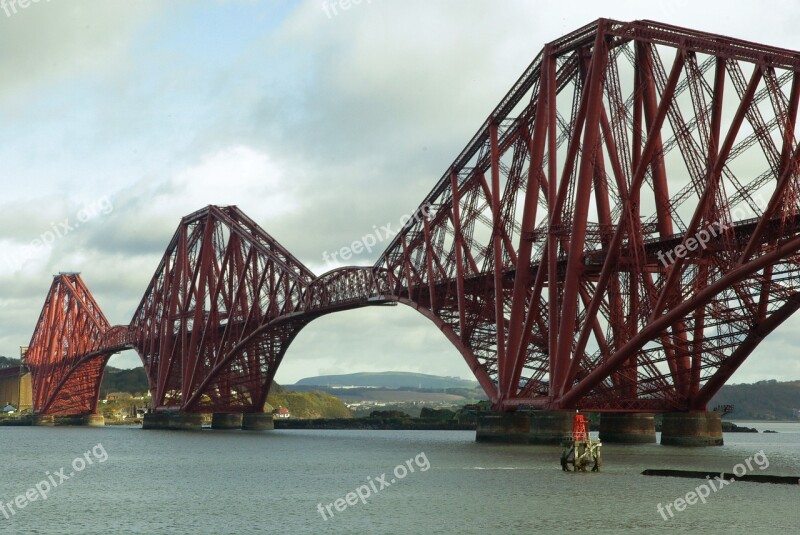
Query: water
[(226, 482)]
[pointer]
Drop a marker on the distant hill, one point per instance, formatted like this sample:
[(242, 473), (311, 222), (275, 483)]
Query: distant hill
[(133, 381), (397, 380), (764, 400), (399, 395)]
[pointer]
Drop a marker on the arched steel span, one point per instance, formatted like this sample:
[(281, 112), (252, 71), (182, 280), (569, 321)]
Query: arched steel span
[(620, 234), (211, 329)]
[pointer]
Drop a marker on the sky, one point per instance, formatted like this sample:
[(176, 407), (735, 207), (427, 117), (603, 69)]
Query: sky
[(321, 120)]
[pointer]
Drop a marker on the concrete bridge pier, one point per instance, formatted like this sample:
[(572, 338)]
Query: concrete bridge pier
[(550, 427), (627, 428), (173, 420), (44, 420), (94, 420), (257, 421), (691, 429), (537, 427), (82, 420), (226, 420), (503, 427)]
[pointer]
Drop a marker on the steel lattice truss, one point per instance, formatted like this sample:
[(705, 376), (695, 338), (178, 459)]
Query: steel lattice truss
[(70, 348), (619, 144), (620, 234), (213, 326)]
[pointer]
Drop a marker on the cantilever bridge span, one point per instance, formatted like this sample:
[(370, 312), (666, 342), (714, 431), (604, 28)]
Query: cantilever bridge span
[(619, 235)]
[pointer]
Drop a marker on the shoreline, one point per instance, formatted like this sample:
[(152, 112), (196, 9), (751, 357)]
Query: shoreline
[(398, 424), (413, 424)]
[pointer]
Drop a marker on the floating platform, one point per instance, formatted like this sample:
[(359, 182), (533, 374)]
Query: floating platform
[(699, 474)]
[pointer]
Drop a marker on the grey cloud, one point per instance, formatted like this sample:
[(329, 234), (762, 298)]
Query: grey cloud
[(50, 40)]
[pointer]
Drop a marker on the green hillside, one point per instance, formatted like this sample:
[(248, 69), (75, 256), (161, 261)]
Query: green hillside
[(6, 362), (388, 380), (133, 381), (764, 400), (308, 404)]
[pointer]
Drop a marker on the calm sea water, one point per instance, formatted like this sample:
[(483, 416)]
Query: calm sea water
[(226, 482)]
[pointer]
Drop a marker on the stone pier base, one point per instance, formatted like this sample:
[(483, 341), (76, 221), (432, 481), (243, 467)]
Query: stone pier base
[(550, 427), (691, 429), (94, 420), (85, 420), (43, 420), (257, 421), (178, 421), (627, 428), (226, 420), (536, 427), (505, 427)]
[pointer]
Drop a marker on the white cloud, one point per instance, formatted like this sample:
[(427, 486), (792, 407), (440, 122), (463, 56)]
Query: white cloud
[(239, 175)]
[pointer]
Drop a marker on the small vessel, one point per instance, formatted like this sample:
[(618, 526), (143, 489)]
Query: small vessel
[(580, 451)]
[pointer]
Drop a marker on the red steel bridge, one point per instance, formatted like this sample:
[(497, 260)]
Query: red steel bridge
[(619, 235)]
